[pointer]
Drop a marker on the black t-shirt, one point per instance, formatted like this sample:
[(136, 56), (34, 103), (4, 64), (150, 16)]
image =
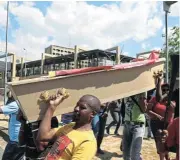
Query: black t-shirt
[(175, 97), (113, 106), (30, 133)]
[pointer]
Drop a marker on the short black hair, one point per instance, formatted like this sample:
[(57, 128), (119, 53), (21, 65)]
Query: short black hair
[(165, 85), (92, 101)]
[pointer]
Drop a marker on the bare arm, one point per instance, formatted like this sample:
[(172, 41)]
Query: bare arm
[(143, 104), (152, 114), (159, 91), (159, 96), (45, 133)]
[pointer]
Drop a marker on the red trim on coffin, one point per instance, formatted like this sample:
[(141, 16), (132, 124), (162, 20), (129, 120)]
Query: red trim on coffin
[(138, 59), (153, 55), (134, 64), (81, 70)]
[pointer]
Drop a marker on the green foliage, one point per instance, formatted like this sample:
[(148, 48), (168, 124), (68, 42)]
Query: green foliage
[(173, 44)]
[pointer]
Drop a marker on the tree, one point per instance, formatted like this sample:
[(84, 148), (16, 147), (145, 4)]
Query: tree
[(173, 44)]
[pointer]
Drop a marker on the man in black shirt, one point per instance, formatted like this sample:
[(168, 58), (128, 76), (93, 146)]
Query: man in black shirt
[(175, 98), (115, 110), (27, 138)]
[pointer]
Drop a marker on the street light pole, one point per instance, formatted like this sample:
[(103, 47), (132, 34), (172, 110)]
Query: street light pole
[(25, 61), (5, 76), (167, 53), (166, 8)]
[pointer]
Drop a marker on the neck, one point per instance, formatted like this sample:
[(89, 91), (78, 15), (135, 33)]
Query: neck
[(81, 126)]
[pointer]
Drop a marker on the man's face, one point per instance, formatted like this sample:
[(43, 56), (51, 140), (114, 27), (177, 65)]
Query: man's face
[(9, 95), (82, 113), (165, 90)]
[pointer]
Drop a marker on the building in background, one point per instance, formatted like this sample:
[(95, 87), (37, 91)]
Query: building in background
[(63, 58), (84, 59), (58, 50)]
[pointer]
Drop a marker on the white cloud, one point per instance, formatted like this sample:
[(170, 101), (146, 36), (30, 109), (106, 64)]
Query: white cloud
[(174, 10), (145, 45), (30, 4), (82, 24), (156, 48), (2, 14)]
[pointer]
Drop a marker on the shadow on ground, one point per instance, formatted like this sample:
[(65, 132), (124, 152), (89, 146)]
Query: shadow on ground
[(108, 155)]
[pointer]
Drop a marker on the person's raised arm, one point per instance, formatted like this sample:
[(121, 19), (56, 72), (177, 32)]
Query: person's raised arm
[(152, 114), (158, 90), (45, 133), (142, 103), (159, 96)]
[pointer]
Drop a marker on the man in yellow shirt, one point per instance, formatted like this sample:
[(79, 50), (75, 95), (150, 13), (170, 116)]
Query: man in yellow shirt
[(74, 141)]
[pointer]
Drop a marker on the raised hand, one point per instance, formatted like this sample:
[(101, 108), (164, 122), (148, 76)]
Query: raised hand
[(158, 76), (55, 100)]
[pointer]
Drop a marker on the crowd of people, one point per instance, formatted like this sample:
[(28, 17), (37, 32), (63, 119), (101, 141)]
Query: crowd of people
[(80, 137)]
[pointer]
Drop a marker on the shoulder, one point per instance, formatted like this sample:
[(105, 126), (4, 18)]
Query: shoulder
[(87, 140), (65, 128)]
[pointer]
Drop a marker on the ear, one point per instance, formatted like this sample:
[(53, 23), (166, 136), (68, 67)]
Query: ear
[(92, 115)]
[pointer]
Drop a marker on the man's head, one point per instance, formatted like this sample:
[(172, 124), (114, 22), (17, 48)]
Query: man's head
[(10, 97), (165, 88), (86, 108), (9, 94)]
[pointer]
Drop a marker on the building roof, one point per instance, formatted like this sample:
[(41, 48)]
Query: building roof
[(59, 47), (81, 56)]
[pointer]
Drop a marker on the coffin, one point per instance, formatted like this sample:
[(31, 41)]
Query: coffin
[(107, 83)]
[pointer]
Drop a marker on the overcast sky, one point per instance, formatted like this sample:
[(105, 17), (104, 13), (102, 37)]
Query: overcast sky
[(134, 26)]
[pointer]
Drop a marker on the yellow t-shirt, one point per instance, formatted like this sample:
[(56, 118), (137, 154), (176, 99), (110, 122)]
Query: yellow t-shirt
[(73, 145)]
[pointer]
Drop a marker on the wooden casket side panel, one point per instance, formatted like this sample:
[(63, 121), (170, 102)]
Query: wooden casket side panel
[(106, 85)]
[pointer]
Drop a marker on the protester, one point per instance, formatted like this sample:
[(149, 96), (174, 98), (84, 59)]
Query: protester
[(75, 140), (95, 125), (169, 139), (134, 127), (27, 138), (175, 98), (115, 108), (150, 95), (157, 109), (148, 121), (12, 150), (102, 123)]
